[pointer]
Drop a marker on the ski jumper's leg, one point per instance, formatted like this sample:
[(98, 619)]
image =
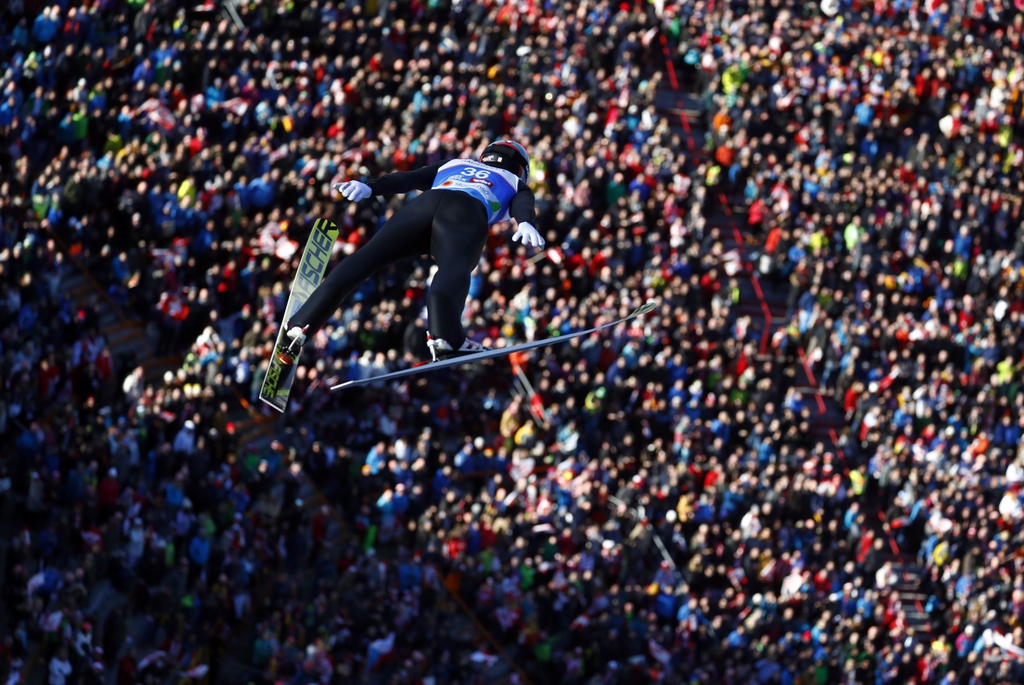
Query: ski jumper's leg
[(459, 237), (406, 234)]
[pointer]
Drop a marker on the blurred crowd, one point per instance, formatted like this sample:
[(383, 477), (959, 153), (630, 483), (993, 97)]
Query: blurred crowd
[(880, 164), (647, 505)]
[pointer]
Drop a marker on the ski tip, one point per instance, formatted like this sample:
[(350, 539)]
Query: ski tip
[(646, 307), (325, 225)]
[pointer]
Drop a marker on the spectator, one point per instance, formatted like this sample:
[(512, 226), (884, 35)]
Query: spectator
[(179, 162), (60, 667)]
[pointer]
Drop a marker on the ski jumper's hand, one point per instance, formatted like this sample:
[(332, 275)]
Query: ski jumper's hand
[(528, 235), (353, 191)]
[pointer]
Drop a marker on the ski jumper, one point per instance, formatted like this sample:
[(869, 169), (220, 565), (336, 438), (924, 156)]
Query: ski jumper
[(449, 220)]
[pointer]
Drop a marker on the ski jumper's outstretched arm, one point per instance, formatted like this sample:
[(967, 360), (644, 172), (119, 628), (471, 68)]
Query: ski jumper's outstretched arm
[(405, 181), (523, 207)]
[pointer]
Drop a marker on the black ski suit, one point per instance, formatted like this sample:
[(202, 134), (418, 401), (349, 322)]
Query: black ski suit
[(450, 225)]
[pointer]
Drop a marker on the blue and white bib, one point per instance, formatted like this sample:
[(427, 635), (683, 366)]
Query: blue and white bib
[(492, 186)]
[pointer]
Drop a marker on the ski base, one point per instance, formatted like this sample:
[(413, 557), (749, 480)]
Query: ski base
[(492, 354), (277, 385)]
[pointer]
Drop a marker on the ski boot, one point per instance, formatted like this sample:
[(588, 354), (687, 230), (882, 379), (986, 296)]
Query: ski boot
[(294, 339), (440, 349)]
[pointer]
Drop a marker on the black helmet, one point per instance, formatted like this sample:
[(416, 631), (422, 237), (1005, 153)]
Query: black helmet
[(510, 156)]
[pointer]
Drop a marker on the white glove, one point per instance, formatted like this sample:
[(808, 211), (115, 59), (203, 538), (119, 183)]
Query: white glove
[(354, 191), (528, 235)]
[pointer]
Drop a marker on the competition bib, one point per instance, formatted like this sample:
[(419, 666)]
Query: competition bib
[(492, 186)]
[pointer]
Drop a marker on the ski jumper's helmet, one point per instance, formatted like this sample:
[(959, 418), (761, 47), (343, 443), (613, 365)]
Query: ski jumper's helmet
[(510, 156)]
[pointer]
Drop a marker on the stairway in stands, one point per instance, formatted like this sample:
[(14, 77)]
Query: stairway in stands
[(761, 299), (132, 344), (126, 337), (911, 593), (764, 302)]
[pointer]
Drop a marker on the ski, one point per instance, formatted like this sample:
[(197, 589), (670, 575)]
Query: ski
[(277, 385), (492, 354)]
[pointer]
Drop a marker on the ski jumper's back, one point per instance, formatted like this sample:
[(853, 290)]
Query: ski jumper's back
[(494, 187)]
